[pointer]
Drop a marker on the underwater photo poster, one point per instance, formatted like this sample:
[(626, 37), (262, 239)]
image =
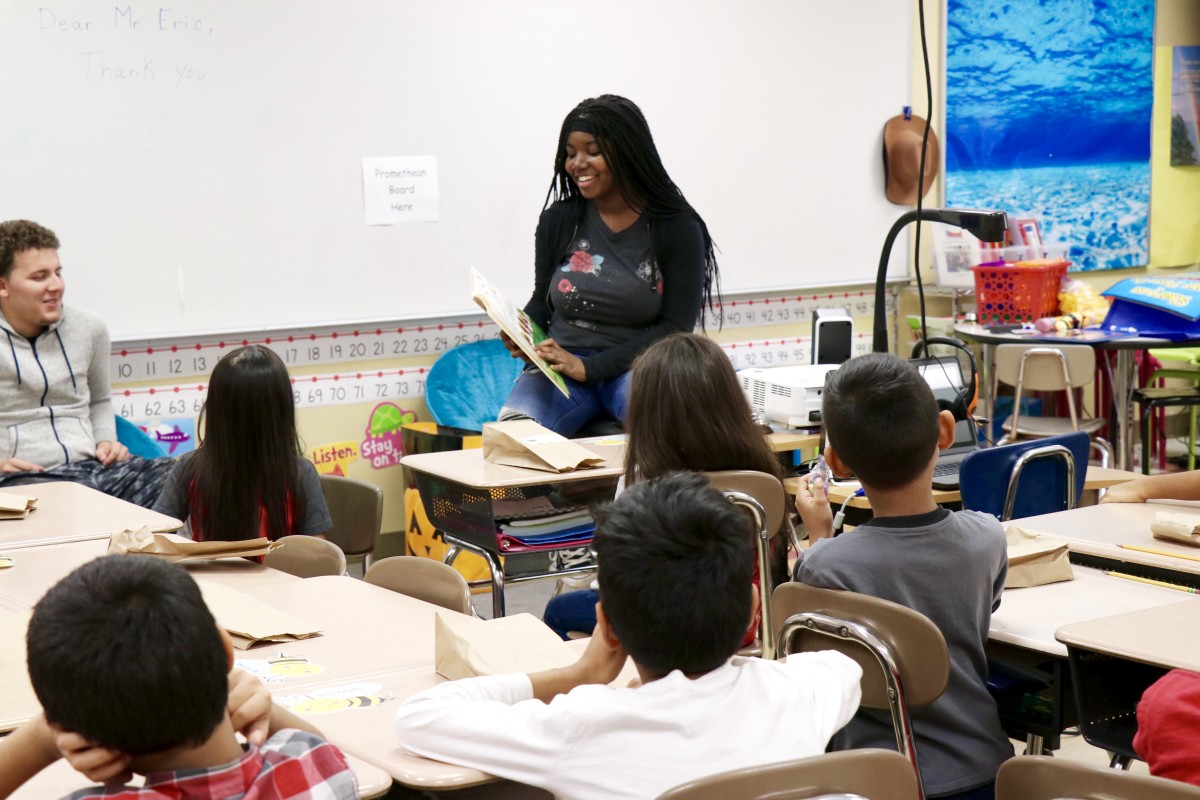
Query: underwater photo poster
[(1048, 117)]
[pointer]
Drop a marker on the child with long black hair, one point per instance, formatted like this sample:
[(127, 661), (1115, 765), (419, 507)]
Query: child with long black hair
[(622, 260), (247, 478)]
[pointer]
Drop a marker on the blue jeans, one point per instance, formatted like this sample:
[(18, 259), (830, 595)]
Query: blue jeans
[(572, 611), (535, 397)]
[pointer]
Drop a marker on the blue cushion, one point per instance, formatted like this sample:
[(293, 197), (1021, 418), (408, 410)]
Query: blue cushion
[(468, 385), (137, 440)]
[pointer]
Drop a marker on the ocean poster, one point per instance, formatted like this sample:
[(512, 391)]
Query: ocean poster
[(1048, 117)]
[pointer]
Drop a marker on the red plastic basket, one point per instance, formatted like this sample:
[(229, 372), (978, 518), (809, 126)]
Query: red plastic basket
[(1010, 294)]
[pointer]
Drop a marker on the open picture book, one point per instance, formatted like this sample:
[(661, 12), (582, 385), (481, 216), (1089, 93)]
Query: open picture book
[(515, 324)]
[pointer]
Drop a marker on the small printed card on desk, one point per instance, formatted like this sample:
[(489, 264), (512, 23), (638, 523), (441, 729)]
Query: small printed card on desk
[(16, 506), (1176, 527)]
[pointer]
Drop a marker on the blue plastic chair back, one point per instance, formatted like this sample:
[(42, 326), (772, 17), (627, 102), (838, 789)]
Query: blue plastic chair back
[(984, 476), (467, 386)]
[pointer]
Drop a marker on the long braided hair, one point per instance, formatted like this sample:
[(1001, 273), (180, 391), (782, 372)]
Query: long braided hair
[(624, 139)]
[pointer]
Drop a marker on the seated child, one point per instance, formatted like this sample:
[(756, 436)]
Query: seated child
[(1167, 486), (1168, 734), (248, 478), (133, 675), (675, 594), (883, 425)]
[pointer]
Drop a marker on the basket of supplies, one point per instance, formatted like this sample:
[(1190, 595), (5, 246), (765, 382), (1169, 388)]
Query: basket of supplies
[(1010, 293)]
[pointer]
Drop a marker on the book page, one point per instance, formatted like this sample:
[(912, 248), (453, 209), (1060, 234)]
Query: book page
[(515, 323)]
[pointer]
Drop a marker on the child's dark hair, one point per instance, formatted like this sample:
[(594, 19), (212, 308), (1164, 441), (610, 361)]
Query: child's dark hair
[(245, 468), (682, 384), (124, 652), (675, 565), (624, 138), (881, 418)]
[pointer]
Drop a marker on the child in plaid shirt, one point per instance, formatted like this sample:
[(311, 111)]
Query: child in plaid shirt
[(133, 676)]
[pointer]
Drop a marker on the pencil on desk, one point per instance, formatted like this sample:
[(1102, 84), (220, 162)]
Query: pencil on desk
[(1152, 582), (1157, 552)]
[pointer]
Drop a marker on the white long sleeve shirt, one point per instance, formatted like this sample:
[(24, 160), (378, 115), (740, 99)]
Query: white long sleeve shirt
[(598, 742)]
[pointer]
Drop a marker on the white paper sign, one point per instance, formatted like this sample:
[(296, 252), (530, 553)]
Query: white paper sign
[(400, 189)]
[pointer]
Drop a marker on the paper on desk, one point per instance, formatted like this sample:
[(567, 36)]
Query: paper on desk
[(176, 548), (1035, 559), (465, 647), (1176, 527), (249, 621), (16, 506), (524, 443)]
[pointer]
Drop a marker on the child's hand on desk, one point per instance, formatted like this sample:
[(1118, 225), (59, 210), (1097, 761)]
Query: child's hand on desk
[(812, 504), (98, 764)]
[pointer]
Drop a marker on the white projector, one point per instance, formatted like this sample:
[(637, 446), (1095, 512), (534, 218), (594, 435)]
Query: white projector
[(786, 395)]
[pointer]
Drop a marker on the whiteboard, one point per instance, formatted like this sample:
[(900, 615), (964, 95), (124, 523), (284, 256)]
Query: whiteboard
[(201, 161)]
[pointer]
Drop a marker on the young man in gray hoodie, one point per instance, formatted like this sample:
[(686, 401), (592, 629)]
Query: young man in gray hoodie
[(56, 412)]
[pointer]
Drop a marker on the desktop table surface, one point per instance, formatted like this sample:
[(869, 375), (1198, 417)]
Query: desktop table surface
[(1163, 636), (1101, 530), (72, 512), (1029, 617), (985, 335), (36, 569)]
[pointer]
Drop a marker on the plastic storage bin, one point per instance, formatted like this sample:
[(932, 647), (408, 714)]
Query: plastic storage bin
[(1010, 294)]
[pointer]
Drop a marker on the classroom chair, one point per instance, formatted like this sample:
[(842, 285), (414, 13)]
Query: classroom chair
[(1024, 479), (424, 579), (356, 508), (764, 497), (1181, 363), (871, 774), (1152, 399), (903, 655), (1061, 368), (1044, 778), (306, 557)]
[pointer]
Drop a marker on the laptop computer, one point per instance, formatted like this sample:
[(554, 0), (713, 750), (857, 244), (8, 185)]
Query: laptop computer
[(945, 378)]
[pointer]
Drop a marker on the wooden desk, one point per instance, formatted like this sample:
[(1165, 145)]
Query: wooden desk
[(1030, 617), (1021, 642), (366, 629), (1096, 478), (1098, 531), (459, 488), (36, 569), (59, 780), (369, 731), (1124, 378), (71, 512), (1161, 635)]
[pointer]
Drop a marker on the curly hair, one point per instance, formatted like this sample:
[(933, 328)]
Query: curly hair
[(19, 235)]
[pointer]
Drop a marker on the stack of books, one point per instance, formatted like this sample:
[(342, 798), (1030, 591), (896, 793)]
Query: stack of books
[(570, 527)]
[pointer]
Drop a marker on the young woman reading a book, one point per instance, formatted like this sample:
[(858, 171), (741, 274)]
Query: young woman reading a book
[(621, 260)]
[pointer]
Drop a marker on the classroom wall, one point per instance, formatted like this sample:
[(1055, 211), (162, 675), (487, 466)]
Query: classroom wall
[(344, 373), (1175, 191)]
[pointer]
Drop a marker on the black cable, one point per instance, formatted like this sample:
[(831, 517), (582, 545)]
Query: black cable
[(921, 171)]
